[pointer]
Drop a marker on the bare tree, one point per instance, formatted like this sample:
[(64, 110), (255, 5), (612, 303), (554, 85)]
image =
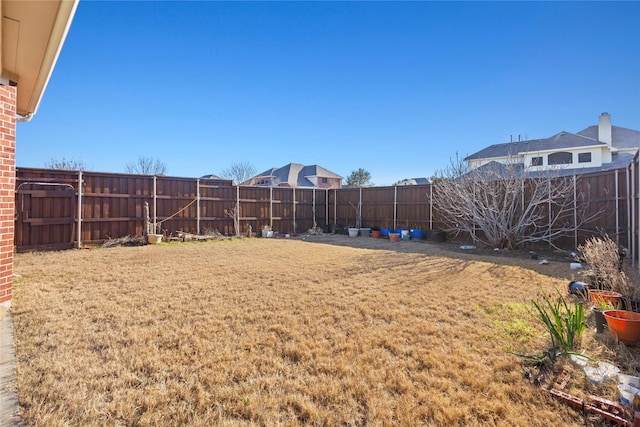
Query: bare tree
[(66, 164), (501, 206), (146, 165), (239, 172)]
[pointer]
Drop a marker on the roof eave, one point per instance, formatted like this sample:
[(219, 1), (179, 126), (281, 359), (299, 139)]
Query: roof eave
[(35, 55)]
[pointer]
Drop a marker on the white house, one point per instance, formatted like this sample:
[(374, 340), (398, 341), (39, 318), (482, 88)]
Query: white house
[(596, 148)]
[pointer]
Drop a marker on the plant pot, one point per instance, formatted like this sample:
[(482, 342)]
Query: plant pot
[(416, 234), (375, 234), (601, 322), (384, 232), (154, 239), (402, 232), (625, 325), (600, 296), (436, 235), (365, 232), (353, 232), (394, 237)]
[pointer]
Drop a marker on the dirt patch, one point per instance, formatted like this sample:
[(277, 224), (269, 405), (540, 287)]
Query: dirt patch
[(321, 330)]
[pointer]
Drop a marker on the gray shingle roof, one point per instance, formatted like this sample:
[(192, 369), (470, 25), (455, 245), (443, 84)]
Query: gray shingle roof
[(620, 137), (557, 141), (618, 161), (296, 175)]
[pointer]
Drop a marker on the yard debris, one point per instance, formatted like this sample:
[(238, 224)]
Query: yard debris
[(127, 240), (183, 236), (315, 231)]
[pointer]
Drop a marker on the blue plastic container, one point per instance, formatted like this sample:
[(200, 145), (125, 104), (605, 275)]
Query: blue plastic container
[(416, 234)]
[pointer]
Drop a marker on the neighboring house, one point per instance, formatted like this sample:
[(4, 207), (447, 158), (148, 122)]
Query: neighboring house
[(297, 175), (596, 148), (213, 179), (30, 41), (414, 181)]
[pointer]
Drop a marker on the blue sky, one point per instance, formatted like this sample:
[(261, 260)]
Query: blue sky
[(396, 88)]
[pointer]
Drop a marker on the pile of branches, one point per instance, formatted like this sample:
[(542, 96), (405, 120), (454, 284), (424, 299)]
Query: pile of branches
[(127, 240)]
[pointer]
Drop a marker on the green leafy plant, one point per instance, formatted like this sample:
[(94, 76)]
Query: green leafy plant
[(564, 323)]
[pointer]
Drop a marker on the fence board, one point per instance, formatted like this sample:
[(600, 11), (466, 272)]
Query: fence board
[(113, 206)]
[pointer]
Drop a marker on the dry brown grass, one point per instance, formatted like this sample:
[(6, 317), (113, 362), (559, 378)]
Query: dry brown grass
[(280, 332)]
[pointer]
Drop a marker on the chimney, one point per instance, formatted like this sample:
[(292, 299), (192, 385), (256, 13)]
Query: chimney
[(604, 128)]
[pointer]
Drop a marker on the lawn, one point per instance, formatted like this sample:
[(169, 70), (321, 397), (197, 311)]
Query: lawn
[(285, 332)]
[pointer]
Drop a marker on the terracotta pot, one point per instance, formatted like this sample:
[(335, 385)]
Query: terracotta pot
[(394, 237), (597, 295), (375, 234), (625, 325)]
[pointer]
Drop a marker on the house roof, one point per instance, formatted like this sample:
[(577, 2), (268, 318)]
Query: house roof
[(415, 181), (296, 175), (618, 161), (559, 140), (32, 36), (620, 137), (212, 176)]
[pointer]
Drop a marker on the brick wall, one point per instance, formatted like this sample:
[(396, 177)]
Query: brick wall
[(7, 188)]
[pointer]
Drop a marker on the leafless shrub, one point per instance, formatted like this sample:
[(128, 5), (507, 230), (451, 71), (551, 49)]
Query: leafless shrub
[(503, 206), (234, 214), (608, 267)]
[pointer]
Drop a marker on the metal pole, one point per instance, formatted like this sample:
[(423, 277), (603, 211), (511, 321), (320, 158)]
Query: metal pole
[(395, 207), (629, 201), (431, 207), (155, 204), (634, 223), (198, 206), (335, 206), (617, 206), (237, 210), (326, 207), (271, 208), (79, 225), (575, 213), (294, 209), (360, 209), (314, 208)]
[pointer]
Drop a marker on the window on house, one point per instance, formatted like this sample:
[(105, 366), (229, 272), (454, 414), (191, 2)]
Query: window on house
[(536, 161), (561, 158), (584, 157), (325, 180)]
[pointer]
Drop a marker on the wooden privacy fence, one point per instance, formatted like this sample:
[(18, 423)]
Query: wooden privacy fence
[(58, 209)]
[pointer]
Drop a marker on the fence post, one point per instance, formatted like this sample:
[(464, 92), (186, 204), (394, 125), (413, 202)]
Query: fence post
[(335, 206), (237, 232), (271, 208), (575, 212), (395, 207), (79, 225), (326, 207), (629, 202), (197, 205), (314, 209), (359, 219), (634, 233), (294, 209), (617, 206), (155, 205), (431, 207)]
